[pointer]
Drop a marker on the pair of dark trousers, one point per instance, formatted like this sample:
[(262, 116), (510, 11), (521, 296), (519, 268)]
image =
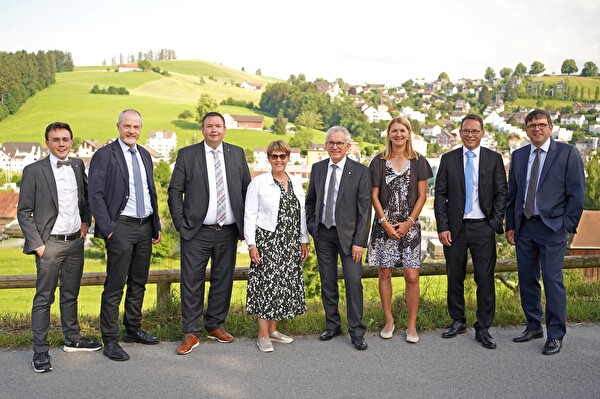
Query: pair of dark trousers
[(220, 246), (328, 248), (540, 249), (478, 238), (128, 253), (61, 260)]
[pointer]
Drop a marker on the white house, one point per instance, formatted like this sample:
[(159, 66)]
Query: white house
[(431, 130), (163, 142), (561, 134), (87, 148), (129, 68), (575, 119), (251, 86), (376, 114), (587, 144), (21, 154)]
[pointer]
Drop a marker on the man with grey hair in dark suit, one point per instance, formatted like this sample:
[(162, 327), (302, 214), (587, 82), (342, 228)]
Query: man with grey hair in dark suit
[(206, 199), (54, 216), (338, 213)]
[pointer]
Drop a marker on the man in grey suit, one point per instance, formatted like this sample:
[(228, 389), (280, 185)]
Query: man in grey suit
[(338, 213), (470, 197), (54, 215), (206, 200)]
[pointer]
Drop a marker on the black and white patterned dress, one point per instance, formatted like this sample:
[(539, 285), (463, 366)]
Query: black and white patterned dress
[(276, 285), (383, 250)]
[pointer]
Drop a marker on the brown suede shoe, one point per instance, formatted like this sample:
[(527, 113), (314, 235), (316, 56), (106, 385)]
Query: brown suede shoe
[(220, 335), (190, 341)]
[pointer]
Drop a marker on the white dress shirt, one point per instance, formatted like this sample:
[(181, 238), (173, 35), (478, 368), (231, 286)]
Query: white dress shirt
[(211, 214), (338, 173), (545, 147), (476, 212), (130, 208), (68, 220)]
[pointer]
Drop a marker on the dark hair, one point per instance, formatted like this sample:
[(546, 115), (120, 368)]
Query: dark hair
[(209, 114), (472, 117), (538, 114), (56, 126), (125, 111)]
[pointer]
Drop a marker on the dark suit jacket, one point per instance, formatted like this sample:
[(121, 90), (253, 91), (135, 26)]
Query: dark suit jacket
[(38, 201), (353, 204), (560, 192), (449, 204), (189, 190), (109, 188)]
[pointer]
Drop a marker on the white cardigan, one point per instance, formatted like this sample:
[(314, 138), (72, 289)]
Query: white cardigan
[(262, 206)]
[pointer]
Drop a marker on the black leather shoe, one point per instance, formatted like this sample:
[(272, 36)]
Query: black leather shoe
[(454, 329), (552, 346), (113, 351), (485, 338), (140, 336), (359, 343), (528, 335), (328, 334)]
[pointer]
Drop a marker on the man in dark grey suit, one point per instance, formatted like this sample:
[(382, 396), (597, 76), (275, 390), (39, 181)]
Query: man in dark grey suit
[(338, 213), (470, 198), (125, 208), (546, 190), (54, 215), (206, 200)]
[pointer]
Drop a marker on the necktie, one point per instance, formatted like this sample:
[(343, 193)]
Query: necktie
[(532, 186), (137, 183), (469, 182), (61, 163), (330, 196), (220, 188)]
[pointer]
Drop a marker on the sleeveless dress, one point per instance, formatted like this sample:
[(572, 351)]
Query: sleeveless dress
[(276, 286), (384, 251)]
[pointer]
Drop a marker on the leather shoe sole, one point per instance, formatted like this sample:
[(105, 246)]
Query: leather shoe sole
[(528, 335), (220, 335), (329, 334)]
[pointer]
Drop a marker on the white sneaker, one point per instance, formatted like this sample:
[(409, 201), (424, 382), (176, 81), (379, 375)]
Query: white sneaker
[(264, 344), (276, 336)]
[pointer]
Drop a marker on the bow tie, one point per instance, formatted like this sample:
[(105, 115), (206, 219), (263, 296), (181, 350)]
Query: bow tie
[(61, 163)]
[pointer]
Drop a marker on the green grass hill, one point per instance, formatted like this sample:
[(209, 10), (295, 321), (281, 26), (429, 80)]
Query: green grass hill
[(159, 98)]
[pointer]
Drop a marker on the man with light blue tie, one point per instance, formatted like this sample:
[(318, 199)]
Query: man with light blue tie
[(124, 204), (546, 190), (470, 199)]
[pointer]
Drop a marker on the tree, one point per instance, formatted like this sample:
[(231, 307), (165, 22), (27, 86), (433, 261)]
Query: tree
[(592, 186), (485, 96), (205, 104), (185, 115), (568, 67), (536, 68), (597, 94), (310, 120), (505, 73), (443, 75), (279, 125), (489, 74), (249, 154), (162, 174), (145, 65), (258, 72), (520, 70), (589, 69)]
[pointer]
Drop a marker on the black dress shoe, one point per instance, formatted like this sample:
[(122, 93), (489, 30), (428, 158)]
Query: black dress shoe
[(113, 351), (528, 335), (328, 334), (552, 346), (485, 338), (454, 329), (359, 343), (140, 336)]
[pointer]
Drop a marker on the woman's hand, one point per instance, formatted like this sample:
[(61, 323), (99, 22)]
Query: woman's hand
[(390, 230), (304, 251), (254, 256), (402, 228)]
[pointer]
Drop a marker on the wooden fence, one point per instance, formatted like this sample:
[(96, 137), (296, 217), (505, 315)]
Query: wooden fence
[(164, 278)]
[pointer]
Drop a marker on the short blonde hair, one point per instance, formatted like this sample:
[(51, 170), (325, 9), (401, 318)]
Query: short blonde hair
[(279, 146)]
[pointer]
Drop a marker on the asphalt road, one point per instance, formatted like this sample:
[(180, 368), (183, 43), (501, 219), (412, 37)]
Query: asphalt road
[(308, 368)]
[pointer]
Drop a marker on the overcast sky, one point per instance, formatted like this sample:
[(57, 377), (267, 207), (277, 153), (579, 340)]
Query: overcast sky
[(368, 41)]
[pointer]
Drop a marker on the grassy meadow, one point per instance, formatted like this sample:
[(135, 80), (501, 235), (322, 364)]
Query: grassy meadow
[(159, 98)]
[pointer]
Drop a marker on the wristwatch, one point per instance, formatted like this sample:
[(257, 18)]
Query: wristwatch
[(381, 219)]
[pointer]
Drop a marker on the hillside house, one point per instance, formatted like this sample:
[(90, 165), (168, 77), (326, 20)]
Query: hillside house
[(586, 145), (251, 86), (457, 116), (128, 68), (561, 134), (253, 122), (377, 114), (21, 154), (87, 148), (431, 130), (164, 142), (8, 207), (575, 119), (446, 139), (332, 89)]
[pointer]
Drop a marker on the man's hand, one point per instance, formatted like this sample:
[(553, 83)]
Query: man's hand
[(445, 238), (157, 240), (304, 251), (40, 251), (357, 253), (84, 230), (510, 237)]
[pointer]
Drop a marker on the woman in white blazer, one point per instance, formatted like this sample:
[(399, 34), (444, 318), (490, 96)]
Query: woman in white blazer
[(277, 238)]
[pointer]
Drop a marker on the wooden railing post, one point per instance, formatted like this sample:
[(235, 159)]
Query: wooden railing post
[(163, 293)]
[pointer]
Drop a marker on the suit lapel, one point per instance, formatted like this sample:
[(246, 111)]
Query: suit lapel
[(201, 159), (459, 165), (346, 174), (122, 165), (550, 157), (49, 175)]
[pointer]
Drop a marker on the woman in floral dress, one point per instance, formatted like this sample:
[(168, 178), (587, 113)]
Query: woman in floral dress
[(399, 177), (275, 231)]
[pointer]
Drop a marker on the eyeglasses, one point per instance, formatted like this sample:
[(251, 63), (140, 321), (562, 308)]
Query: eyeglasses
[(534, 125), (275, 157), (467, 132), (58, 140), (338, 144)]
